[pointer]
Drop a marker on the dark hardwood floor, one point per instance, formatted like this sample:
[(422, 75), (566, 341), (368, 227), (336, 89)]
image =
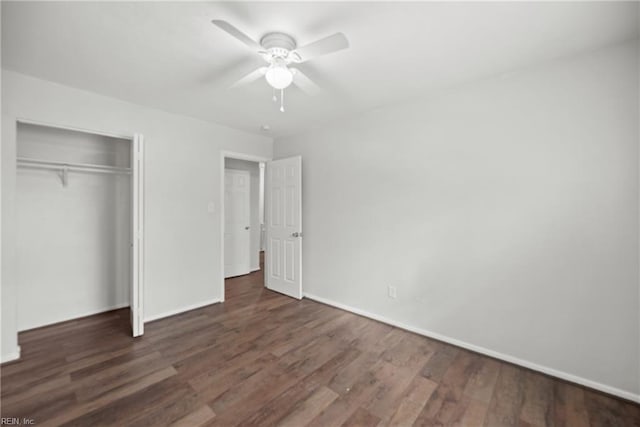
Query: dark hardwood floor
[(265, 359)]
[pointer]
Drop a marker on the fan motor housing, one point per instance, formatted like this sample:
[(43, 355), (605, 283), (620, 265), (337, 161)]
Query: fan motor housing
[(276, 41)]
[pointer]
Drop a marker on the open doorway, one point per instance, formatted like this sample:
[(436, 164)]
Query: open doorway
[(242, 214), (280, 233)]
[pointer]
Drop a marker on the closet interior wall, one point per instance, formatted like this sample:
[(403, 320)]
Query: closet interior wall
[(73, 237)]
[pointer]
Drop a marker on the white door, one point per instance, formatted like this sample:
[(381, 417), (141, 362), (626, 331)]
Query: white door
[(284, 226), (137, 234), (237, 218)]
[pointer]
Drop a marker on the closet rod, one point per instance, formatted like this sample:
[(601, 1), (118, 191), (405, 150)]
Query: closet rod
[(78, 167)]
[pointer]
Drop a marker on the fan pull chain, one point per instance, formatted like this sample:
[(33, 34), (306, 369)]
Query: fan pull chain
[(282, 100), (275, 98)]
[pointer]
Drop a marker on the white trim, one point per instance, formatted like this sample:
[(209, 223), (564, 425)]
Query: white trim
[(181, 310), (239, 156), (77, 316), (15, 355), (73, 128), (496, 355), (638, 236), (254, 269), (242, 156)]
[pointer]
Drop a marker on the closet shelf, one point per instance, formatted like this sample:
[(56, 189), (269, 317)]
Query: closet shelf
[(66, 167)]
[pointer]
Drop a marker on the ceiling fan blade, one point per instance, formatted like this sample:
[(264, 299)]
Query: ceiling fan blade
[(233, 31), (305, 83), (329, 44), (250, 78)]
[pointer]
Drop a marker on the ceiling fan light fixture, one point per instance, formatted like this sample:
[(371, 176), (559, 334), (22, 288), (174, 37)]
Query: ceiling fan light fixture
[(279, 76)]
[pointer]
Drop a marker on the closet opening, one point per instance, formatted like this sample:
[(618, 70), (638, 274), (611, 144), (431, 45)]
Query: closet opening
[(79, 201)]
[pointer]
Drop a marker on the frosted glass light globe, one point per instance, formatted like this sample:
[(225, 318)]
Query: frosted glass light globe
[(279, 76)]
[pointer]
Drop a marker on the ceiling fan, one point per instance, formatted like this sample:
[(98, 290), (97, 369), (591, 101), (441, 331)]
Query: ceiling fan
[(280, 51)]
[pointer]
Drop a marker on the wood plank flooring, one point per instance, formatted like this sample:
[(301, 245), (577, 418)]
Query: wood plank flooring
[(265, 359)]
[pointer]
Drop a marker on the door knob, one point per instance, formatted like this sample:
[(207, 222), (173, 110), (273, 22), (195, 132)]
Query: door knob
[(296, 234), (247, 227)]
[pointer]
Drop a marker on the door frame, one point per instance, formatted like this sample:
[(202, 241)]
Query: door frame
[(137, 231), (137, 209), (224, 154)]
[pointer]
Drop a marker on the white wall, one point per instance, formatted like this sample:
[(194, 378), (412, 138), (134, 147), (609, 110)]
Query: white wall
[(505, 212), (182, 260), (254, 171), (73, 242)]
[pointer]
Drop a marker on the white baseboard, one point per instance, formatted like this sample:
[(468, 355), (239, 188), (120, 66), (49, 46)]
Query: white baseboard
[(76, 316), (496, 355), (180, 310), (10, 357), (254, 269)]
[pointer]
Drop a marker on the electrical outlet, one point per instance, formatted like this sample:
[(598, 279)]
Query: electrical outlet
[(392, 292)]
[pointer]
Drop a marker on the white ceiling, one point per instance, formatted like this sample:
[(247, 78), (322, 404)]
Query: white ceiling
[(168, 55)]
